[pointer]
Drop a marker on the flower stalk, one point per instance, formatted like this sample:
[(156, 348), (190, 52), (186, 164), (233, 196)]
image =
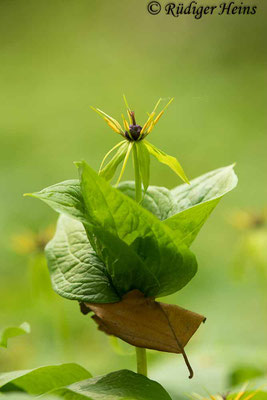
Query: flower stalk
[(141, 361)]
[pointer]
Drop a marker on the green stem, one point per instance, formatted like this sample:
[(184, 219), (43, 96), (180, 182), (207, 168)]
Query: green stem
[(138, 183), (141, 361), (140, 352)]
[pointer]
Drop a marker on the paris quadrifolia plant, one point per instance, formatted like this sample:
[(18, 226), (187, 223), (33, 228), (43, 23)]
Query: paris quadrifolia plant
[(118, 248)]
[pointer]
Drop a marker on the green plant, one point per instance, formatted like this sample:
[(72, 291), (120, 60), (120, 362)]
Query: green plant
[(117, 249)]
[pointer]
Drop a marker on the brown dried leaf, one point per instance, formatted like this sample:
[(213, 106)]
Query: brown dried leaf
[(144, 322)]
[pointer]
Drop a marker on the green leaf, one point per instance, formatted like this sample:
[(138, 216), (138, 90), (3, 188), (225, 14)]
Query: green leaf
[(76, 271), (144, 163), (110, 168), (113, 251), (125, 267), (43, 379), (186, 208), (245, 373), (196, 202), (158, 200), (13, 331), (138, 251), (64, 197), (164, 158), (119, 385), (173, 266)]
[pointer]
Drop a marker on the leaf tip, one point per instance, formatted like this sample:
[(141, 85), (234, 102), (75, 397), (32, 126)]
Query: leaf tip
[(29, 195), (78, 164)]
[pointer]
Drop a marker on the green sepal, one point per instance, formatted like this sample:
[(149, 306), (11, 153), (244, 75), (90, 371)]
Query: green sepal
[(144, 164), (109, 170), (170, 161)]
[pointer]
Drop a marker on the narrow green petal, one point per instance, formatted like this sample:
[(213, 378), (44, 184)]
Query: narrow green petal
[(108, 153), (144, 164), (126, 102), (130, 145), (138, 181), (164, 158), (110, 168)]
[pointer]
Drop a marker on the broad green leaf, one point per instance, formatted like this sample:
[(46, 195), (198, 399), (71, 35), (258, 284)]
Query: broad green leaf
[(164, 158), (144, 162), (173, 266), (64, 197), (113, 251), (196, 202), (138, 251), (119, 385), (76, 271), (43, 379), (13, 331), (186, 208), (110, 168)]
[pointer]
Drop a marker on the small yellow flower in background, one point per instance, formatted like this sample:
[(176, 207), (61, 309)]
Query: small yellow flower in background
[(242, 394), (245, 219), (30, 242), (134, 141)]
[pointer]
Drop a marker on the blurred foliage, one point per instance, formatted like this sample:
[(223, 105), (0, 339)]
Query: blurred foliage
[(59, 58), (13, 331), (243, 374)]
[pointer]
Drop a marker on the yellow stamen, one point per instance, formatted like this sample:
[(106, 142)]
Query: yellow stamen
[(112, 126), (151, 116), (160, 114), (158, 117), (151, 126), (125, 123), (108, 119), (242, 391), (251, 395), (157, 104), (129, 116)]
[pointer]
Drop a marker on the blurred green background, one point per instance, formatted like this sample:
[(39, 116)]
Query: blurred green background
[(59, 57)]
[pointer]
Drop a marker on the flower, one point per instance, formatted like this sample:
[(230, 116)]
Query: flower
[(134, 140), (242, 394)]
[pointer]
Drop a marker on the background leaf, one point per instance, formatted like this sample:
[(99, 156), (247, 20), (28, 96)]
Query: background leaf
[(43, 379), (119, 385), (13, 331)]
